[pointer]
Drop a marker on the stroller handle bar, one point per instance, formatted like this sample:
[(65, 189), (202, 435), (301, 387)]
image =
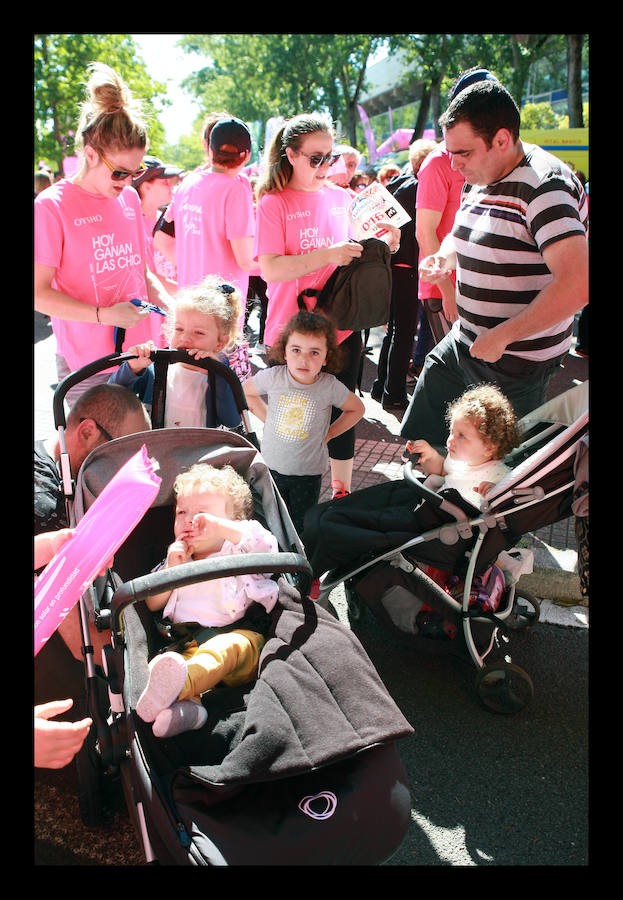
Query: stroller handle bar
[(430, 496), (202, 570), (161, 359)]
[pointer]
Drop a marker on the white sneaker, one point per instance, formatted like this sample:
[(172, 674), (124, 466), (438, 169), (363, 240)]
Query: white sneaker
[(167, 674)]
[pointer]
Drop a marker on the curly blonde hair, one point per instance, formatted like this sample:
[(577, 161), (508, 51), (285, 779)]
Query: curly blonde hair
[(212, 297), (202, 477), (491, 413)]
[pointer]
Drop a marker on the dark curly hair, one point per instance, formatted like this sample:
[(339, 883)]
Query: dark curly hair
[(309, 323), (491, 413)]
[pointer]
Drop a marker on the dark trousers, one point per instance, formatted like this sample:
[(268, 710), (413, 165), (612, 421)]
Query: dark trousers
[(397, 346), (299, 493), (343, 446), (450, 370)]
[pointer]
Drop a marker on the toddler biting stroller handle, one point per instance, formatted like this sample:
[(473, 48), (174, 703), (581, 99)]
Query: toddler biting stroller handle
[(201, 570)]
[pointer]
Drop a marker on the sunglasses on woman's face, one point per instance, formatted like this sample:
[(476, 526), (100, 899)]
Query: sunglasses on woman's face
[(120, 174), (317, 159)]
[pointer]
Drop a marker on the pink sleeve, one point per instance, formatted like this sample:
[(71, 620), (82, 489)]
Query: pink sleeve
[(270, 236), (48, 236), (432, 191), (240, 218)]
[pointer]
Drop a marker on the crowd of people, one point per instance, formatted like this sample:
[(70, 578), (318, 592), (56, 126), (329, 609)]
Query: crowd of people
[(488, 276)]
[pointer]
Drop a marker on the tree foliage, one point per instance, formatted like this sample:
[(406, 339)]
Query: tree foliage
[(60, 64), (257, 77)]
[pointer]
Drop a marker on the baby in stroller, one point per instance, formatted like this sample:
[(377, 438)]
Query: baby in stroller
[(212, 518), (483, 429)]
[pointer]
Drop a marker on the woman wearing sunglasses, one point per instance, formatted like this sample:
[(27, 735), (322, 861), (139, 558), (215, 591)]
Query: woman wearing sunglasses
[(302, 236), (89, 242)]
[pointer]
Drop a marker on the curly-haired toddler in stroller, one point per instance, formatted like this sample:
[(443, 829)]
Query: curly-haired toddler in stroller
[(212, 518), (483, 429)]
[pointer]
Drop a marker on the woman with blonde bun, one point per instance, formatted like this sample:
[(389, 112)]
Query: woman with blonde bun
[(89, 242)]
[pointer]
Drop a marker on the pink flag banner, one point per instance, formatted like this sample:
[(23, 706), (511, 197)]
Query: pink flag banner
[(96, 538), (367, 130)]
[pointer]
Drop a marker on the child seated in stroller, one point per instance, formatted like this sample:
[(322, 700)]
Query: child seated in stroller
[(483, 429), (212, 518)]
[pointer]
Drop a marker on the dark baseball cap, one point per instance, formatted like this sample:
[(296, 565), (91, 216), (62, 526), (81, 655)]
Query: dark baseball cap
[(472, 77), (230, 133), (155, 168)]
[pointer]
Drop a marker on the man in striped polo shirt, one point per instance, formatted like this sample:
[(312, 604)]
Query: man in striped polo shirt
[(519, 248)]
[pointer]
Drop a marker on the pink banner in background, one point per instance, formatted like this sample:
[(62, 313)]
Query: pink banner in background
[(99, 534), (367, 130)]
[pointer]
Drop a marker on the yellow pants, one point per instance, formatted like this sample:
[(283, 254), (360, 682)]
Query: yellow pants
[(231, 657)]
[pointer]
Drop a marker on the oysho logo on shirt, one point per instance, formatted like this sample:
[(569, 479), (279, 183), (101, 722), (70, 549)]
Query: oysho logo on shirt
[(88, 220)]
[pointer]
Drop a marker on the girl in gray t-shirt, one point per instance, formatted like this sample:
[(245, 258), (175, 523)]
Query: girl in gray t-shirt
[(295, 399)]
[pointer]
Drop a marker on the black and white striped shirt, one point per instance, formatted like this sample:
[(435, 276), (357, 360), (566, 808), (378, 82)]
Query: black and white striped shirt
[(500, 232)]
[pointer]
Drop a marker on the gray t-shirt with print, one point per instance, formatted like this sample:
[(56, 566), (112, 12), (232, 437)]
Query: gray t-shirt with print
[(297, 420)]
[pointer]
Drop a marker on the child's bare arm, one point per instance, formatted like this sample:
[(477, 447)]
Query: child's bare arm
[(178, 553), (254, 401), (352, 410), (430, 460)]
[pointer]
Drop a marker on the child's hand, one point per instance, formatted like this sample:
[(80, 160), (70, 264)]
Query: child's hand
[(142, 351), (423, 448), (205, 525), (484, 487), (202, 354), (430, 460), (179, 552)]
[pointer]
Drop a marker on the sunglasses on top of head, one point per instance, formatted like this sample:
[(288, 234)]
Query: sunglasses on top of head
[(120, 174), (317, 159)]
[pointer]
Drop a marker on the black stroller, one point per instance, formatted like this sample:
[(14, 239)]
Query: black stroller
[(450, 568), (298, 768)]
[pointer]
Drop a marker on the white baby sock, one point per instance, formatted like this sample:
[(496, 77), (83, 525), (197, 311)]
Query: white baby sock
[(187, 715)]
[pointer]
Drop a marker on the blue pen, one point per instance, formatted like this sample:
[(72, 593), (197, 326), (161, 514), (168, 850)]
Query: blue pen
[(149, 306)]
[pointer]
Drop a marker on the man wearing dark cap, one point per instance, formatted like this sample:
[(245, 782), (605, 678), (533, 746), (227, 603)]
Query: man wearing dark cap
[(519, 249), (155, 185), (212, 212)]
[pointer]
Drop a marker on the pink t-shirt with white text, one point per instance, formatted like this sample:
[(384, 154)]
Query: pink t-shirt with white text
[(211, 209), (439, 188), (96, 245), (160, 265), (290, 223)]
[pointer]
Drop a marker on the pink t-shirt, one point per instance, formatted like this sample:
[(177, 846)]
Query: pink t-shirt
[(160, 265), (96, 245), (211, 209), (290, 223), (439, 188)]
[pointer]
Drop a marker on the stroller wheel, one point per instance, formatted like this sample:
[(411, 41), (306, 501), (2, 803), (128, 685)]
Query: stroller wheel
[(525, 612), (503, 687)]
